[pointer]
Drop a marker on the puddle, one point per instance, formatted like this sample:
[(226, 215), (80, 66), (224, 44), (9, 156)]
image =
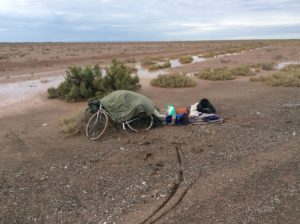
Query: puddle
[(142, 72), (175, 63), (15, 92), (283, 64), (34, 75)]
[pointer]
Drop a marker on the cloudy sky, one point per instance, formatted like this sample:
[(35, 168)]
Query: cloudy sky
[(151, 20)]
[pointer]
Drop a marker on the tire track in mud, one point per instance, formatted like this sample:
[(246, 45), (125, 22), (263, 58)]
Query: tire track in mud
[(173, 192)]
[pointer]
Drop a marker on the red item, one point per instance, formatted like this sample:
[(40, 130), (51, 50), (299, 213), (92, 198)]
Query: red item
[(181, 110)]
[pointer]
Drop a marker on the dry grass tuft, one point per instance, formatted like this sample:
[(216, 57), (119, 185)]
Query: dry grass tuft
[(173, 80), (288, 77), (216, 74), (186, 59), (74, 125), (225, 73), (266, 66), (158, 66)]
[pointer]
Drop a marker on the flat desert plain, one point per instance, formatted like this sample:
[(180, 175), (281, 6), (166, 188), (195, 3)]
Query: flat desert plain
[(245, 170)]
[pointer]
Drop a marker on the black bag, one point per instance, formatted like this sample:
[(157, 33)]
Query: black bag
[(93, 106), (205, 106)]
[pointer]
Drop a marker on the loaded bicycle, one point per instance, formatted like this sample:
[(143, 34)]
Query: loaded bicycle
[(129, 109)]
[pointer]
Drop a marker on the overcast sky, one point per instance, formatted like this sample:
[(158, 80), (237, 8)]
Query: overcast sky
[(147, 20)]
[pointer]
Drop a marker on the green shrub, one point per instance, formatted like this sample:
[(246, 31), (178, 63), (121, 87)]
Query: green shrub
[(119, 77), (78, 84), (186, 59), (52, 93), (173, 80), (84, 83), (216, 74)]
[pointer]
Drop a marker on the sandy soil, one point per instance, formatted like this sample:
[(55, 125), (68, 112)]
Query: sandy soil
[(245, 170)]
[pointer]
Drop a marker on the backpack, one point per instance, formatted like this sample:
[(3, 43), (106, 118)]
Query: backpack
[(205, 106)]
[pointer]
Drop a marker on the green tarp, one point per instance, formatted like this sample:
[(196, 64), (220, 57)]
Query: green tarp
[(124, 105)]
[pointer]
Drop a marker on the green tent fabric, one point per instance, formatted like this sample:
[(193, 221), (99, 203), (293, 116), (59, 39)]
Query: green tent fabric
[(124, 105)]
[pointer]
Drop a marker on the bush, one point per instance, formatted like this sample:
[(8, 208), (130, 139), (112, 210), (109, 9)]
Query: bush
[(242, 71), (288, 77), (186, 59), (118, 77), (52, 93), (84, 83), (225, 73), (156, 63), (148, 62), (158, 66), (78, 84), (216, 74), (267, 66), (173, 80)]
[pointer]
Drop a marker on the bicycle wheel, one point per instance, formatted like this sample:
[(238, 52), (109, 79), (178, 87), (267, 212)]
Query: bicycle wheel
[(143, 122), (96, 125)]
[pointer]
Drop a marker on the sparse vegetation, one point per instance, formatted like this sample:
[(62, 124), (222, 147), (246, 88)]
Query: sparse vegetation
[(259, 78), (242, 71), (224, 60), (130, 60), (84, 83), (156, 63), (225, 73), (267, 66), (186, 59), (173, 80), (158, 66), (278, 57), (74, 125), (148, 62), (216, 74), (289, 76), (232, 50)]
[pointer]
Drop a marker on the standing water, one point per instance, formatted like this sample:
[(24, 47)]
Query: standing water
[(15, 92), (283, 64)]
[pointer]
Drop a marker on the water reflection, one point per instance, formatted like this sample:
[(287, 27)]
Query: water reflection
[(283, 64)]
